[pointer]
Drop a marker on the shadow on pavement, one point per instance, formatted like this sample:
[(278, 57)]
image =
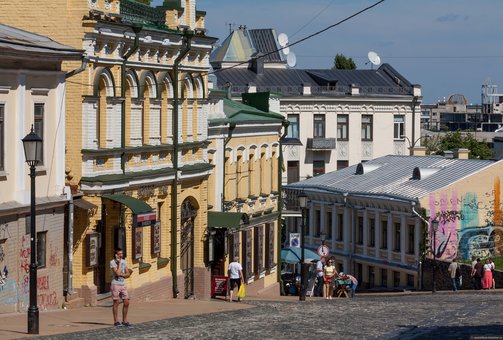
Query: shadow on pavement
[(491, 331)]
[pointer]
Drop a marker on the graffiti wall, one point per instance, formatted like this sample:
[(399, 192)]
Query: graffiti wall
[(470, 223), (15, 259)]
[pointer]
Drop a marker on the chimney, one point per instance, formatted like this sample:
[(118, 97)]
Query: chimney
[(306, 89), (417, 151), (355, 90), (461, 153), (252, 88), (448, 154), (256, 64)]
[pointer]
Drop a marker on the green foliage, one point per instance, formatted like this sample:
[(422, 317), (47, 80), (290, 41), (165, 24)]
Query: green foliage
[(343, 63), (437, 145)]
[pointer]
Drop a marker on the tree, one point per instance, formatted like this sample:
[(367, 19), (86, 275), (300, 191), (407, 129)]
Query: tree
[(438, 144), (343, 63)]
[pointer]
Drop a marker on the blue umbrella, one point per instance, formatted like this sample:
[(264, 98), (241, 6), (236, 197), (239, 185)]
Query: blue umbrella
[(293, 255)]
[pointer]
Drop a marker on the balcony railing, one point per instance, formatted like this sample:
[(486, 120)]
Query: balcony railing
[(321, 143)]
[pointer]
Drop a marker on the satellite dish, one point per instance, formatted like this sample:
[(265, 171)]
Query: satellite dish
[(286, 50), (374, 58), (282, 39), (291, 59)]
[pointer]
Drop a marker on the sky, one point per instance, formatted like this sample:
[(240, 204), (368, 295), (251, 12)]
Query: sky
[(446, 46)]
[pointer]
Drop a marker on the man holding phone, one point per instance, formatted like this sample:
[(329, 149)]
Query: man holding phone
[(118, 287)]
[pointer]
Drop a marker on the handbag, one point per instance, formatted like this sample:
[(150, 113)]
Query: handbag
[(241, 292)]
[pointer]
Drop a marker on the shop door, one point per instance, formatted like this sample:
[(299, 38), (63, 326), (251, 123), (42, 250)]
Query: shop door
[(187, 248), (218, 264), (100, 270)]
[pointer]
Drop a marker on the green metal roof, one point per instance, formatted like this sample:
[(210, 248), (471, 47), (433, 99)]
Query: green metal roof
[(229, 220), (137, 206), (236, 111)]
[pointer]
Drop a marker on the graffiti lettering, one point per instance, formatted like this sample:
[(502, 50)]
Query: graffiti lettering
[(449, 216), (2, 253), (43, 283), (47, 299), (53, 259)]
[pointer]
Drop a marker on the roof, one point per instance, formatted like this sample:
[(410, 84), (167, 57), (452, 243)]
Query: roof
[(18, 40), (392, 176), (265, 42), (239, 112), (137, 206)]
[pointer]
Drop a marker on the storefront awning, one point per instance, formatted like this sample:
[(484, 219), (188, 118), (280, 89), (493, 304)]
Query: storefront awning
[(229, 220), (137, 206), (83, 204)]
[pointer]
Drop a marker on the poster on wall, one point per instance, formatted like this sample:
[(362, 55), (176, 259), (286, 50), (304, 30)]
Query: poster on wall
[(92, 243), (138, 243), (155, 234)]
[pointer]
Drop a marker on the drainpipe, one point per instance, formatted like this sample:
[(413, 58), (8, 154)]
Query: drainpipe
[(187, 41), (227, 139), (78, 70), (285, 124), (420, 269), (136, 28)]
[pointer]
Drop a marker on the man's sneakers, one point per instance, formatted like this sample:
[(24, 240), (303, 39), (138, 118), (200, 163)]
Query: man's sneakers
[(126, 324), (118, 324), (122, 324)]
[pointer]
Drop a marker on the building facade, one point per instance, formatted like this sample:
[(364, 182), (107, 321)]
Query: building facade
[(376, 216), (32, 95), (337, 118), (243, 214), (136, 156)]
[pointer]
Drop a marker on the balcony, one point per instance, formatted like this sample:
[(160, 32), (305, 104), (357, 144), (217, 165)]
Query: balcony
[(320, 144)]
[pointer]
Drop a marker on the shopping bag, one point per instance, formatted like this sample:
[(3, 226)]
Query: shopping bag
[(241, 292)]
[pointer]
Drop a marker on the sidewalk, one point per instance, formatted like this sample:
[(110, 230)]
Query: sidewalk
[(15, 325)]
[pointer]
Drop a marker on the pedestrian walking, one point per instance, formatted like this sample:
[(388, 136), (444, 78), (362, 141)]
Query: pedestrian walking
[(493, 268), (454, 272), (477, 275), (118, 287), (235, 276), (329, 274), (318, 291), (487, 278)]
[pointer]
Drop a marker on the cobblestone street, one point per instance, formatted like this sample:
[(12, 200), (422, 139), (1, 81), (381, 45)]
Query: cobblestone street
[(415, 316)]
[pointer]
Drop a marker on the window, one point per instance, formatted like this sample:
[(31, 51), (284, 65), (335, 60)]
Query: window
[(340, 226), (359, 236), (251, 174), (342, 127), (239, 165), (411, 246), (2, 137), (38, 126), (293, 128), (396, 279), (410, 280), (384, 234), (397, 237), (319, 126), (342, 164), (372, 232), (328, 225), (399, 126), (384, 277), (371, 277), (317, 222), (41, 248), (318, 168), (367, 127)]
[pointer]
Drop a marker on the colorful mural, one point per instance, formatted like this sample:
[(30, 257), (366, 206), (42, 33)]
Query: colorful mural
[(468, 226)]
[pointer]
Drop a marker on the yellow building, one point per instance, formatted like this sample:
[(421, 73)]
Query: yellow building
[(243, 208), (136, 146)]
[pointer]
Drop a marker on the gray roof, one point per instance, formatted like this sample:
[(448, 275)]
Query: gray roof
[(21, 42), (384, 81), (392, 177)]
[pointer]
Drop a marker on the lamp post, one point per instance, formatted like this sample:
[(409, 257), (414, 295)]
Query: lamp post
[(303, 204), (434, 228), (32, 145)]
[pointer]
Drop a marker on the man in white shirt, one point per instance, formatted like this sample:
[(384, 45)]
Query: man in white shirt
[(318, 291), (235, 275)]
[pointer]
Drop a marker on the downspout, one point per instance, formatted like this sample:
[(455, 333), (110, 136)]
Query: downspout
[(227, 139), (187, 41), (136, 28), (285, 124), (69, 196), (420, 269)]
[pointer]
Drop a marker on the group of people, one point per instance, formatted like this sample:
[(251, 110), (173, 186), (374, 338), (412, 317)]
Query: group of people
[(482, 274), (326, 276)]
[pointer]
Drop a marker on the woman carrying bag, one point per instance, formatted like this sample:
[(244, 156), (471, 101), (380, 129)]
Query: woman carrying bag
[(329, 274)]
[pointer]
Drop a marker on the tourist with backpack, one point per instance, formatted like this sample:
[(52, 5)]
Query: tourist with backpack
[(455, 273)]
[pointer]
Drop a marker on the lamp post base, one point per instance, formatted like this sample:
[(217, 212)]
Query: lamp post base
[(33, 320), (303, 282)]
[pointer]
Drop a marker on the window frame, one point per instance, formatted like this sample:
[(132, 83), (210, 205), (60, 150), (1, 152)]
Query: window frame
[(39, 126), (343, 127), (397, 236), (384, 234), (411, 245), (41, 249), (398, 127), (319, 126), (367, 128), (372, 232), (319, 168), (294, 126)]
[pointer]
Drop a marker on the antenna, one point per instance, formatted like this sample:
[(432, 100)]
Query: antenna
[(291, 59), (374, 59)]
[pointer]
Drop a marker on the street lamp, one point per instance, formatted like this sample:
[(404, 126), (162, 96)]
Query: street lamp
[(434, 228), (303, 287), (32, 145)]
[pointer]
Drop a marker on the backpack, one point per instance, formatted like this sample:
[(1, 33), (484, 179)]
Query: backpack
[(458, 271)]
